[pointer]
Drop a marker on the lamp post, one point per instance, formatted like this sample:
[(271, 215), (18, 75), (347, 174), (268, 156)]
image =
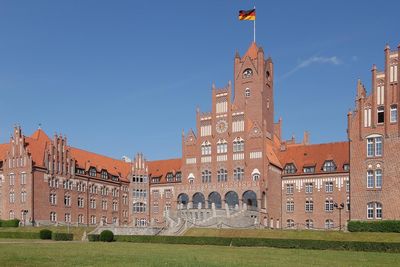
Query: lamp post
[(339, 207)]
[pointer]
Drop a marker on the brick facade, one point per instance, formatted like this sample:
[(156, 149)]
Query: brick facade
[(235, 159)]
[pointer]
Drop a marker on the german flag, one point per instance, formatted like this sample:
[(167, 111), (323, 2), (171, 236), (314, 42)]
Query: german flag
[(247, 14)]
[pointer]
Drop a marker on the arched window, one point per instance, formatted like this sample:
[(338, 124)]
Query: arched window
[(198, 198), (309, 206), (247, 92), (238, 145), (309, 224), (222, 146), (206, 148), (238, 174), (53, 216), (206, 176), (191, 178), (247, 73), (256, 175), (328, 224), (92, 172), (329, 205), (183, 199), (222, 175), (289, 224)]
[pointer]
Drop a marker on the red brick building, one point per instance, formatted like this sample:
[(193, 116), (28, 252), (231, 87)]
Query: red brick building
[(234, 166), (374, 134)]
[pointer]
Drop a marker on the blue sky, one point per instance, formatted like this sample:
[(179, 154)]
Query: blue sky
[(119, 77)]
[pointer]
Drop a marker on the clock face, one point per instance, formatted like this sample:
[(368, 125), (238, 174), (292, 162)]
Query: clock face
[(247, 73), (221, 126)]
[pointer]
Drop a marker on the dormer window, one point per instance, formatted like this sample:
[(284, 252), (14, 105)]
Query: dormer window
[(115, 178), (178, 177), (155, 180), (80, 171), (170, 177), (290, 169), (329, 166), (346, 167), (104, 175), (92, 172), (309, 169)]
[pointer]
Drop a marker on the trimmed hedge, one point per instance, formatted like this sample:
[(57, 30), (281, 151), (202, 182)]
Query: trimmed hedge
[(265, 242), (106, 236), (62, 236), (93, 238), (17, 235), (9, 223), (45, 234), (376, 226)]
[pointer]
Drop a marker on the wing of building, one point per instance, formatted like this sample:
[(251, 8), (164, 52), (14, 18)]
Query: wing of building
[(235, 168)]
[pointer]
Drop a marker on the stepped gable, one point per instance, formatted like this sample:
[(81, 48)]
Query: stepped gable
[(315, 155), (160, 168), (36, 145)]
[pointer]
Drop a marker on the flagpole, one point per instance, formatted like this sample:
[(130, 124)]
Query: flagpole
[(254, 27)]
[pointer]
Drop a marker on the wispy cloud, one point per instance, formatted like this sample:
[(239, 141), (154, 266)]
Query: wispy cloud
[(310, 61)]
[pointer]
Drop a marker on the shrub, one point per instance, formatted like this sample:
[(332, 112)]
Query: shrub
[(9, 223), (62, 236), (106, 236), (265, 242), (45, 234), (22, 235), (376, 226), (93, 237)]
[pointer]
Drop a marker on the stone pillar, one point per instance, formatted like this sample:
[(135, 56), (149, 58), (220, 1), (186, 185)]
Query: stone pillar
[(228, 214), (214, 212), (199, 205), (244, 206)]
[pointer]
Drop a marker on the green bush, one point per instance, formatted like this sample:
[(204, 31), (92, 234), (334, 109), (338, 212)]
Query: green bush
[(106, 236), (376, 226), (62, 236), (93, 237), (45, 234), (9, 223), (265, 242), (22, 235)]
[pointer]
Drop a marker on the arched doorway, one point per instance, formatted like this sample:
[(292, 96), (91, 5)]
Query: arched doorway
[(250, 198), (183, 200), (198, 198), (215, 198), (232, 199)]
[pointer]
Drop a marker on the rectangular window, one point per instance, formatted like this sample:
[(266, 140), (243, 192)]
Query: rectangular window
[(378, 146), (370, 179), (370, 147), (328, 187), (393, 113), (309, 188), (370, 210), (378, 178), (289, 188), (347, 186), (381, 115), (290, 206)]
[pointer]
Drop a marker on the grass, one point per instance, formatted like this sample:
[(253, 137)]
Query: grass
[(293, 234), (130, 254), (77, 231)]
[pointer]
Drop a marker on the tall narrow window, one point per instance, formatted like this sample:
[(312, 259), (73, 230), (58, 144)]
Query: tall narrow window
[(378, 178), (381, 114), (370, 179), (378, 146), (393, 113)]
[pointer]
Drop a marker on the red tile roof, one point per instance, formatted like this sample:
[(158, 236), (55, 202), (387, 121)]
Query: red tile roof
[(36, 146), (315, 155), (160, 168), (3, 151)]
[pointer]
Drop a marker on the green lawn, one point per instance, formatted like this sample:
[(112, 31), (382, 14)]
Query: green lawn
[(77, 231), (293, 234), (129, 254)]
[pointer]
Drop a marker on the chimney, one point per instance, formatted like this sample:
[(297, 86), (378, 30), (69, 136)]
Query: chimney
[(306, 138)]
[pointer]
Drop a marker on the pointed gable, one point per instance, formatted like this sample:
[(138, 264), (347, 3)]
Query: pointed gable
[(252, 51)]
